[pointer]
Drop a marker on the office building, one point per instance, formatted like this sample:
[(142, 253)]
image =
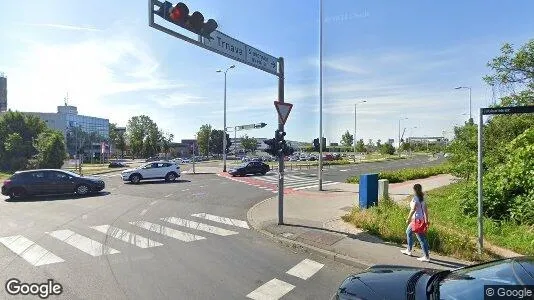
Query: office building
[(3, 93)]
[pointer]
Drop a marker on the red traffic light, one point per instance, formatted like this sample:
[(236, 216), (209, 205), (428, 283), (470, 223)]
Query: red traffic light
[(179, 12)]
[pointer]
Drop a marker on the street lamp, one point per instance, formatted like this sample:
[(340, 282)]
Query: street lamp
[(469, 88), (224, 135), (354, 142), (400, 132)]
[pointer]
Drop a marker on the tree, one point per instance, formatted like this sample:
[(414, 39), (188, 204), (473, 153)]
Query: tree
[(463, 150), (387, 149), (52, 151), (203, 138), (378, 144), (360, 146), (143, 136), (216, 142), (17, 132), (249, 143), (117, 138), (347, 139), (166, 140)]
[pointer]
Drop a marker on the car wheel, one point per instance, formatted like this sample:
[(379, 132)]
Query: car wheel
[(263, 173), (170, 177), (82, 189), (17, 193), (135, 178)]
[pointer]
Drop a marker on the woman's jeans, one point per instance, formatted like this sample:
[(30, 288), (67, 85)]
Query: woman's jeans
[(420, 236)]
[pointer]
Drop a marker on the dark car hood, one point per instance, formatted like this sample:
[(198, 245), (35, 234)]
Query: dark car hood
[(92, 178), (380, 282)]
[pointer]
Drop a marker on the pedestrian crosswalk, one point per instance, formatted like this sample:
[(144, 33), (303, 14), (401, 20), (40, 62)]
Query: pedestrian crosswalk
[(34, 252), (269, 182)]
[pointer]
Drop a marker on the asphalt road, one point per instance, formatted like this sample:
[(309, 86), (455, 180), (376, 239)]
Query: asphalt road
[(340, 173), (142, 242)]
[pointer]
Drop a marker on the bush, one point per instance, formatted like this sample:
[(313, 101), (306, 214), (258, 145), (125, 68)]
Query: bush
[(407, 174)]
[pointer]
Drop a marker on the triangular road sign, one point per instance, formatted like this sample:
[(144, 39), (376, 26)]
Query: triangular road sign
[(283, 110)]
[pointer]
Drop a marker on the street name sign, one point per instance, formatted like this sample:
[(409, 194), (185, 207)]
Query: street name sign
[(283, 110), (237, 50), (508, 110)]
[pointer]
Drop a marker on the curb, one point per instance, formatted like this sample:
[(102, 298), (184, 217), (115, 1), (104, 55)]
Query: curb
[(327, 253)]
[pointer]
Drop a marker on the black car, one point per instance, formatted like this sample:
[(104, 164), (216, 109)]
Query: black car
[(252, 167), (399, 282), (48, 182), (116, 164)]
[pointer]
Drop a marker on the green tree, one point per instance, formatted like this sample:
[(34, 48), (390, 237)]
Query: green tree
[(463, 150), (166, 140), (216, 142), (250, 144), (347, 139), (17, 132), (203, 138), (387, 149), (360, 146), (117, 138), (143, 136), (51, 148)]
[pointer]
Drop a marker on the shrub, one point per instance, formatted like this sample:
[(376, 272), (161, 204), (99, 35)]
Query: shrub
[(407, 174)]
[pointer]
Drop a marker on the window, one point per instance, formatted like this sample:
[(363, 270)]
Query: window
[(37, 175)]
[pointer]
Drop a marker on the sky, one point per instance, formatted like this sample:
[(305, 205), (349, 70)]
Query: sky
[(403, 58)]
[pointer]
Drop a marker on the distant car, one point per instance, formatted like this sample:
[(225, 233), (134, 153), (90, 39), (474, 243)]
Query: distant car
[(115, 164), (49, 182), (401, 282), (186, 161), (154, 170), (150, 159), (252, 167)]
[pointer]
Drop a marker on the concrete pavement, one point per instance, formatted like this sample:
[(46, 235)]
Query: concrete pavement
[(313, 219)]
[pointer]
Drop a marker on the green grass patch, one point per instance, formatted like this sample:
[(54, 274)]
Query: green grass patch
[(4, 176), (451, 233), (407, 174)]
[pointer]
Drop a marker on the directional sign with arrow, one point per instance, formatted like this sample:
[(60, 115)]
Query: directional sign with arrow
[(283, 110)]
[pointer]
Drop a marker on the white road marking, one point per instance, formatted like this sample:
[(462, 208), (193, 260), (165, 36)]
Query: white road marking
[(82, 243), (273, 289), (175, 234), (307, 187), (223, 220), (143, 212), (153, 202), (305, 269), (167, 196), (343, 170), (125, 236), (198, 226), (30, 251)]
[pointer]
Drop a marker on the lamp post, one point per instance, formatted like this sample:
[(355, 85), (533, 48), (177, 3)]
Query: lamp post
[(320, 171), (400, 132), (469, 88), (224, 135), (354, 142)]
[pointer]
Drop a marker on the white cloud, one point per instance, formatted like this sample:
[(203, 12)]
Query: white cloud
[(63, 26)]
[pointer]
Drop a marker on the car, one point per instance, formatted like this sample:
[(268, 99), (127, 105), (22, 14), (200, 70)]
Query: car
[(38, 182), (115, 164), (154, 170), (402, 282), (252, 167)]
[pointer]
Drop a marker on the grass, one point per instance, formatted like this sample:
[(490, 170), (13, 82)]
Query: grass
[(4, 176), (407, 174), (451, 233)]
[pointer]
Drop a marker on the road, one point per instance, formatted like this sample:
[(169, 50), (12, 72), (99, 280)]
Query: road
[(182, 240)]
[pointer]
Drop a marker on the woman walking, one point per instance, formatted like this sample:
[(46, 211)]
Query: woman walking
[(418, 223)]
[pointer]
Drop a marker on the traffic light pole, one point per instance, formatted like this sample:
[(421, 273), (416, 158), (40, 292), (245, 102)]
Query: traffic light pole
[(281, 157)]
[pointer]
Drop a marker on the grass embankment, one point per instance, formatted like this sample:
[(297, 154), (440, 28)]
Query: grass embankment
[(88, 169), (451, 232), (407, 174)]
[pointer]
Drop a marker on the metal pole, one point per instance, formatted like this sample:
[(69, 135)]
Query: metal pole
[(235, 141), (480, 191), (354, 142), (194, 157), (470, 116), (224, 135), (399, 137), (321, 97), (281, 157)]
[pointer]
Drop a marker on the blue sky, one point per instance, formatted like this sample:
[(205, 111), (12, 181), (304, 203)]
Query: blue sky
[(403, 58)]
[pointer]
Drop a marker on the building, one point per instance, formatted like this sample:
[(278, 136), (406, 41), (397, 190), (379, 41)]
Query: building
[(428, 140), (3, 93), (67, 118)]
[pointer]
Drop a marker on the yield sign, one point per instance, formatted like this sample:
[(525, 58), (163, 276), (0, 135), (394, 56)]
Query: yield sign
[(283, 110)]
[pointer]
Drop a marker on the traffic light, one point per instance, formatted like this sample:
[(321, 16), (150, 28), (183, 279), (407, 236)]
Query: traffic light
[(288, 151), (316, 145), (179, 15), (271, 149)]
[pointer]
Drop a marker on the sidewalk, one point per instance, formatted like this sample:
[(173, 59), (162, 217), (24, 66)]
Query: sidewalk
[(312, 220)]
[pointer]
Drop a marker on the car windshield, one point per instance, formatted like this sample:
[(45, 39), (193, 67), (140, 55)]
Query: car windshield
[(71, 173)]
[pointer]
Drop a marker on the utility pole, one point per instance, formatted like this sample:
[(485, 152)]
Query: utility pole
[(280, 157), (321, 98)]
